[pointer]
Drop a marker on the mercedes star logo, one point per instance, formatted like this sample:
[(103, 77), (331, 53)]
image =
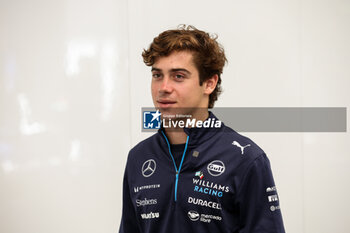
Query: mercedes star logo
[(148, 168)]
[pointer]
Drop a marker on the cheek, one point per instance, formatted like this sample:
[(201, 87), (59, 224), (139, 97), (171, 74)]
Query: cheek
[(154, 96), (153, 88), (154, 92)]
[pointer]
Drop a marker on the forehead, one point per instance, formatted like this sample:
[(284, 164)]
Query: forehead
[(177, 59)]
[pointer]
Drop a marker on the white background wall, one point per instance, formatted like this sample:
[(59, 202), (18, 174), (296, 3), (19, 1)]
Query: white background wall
[(72, 84)]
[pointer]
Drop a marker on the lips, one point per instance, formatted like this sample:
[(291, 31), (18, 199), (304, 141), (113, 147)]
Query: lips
[(165, 103)]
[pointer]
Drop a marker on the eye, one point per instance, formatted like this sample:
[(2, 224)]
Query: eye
[(179, 77), (156, 75)]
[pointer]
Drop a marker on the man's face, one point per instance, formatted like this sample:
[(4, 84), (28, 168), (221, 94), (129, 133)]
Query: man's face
[(175, 84)]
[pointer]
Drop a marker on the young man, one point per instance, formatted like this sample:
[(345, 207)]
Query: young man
[(202, 178)]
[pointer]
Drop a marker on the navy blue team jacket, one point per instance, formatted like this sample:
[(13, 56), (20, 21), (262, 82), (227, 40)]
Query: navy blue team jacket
[(223, 184)]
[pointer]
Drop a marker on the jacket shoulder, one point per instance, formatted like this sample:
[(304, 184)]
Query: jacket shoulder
[(243, 146), (144, 146)]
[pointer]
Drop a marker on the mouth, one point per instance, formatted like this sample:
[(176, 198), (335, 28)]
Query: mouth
[(165, 103)]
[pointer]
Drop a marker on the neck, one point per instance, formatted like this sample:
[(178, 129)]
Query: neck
[(178, 136)]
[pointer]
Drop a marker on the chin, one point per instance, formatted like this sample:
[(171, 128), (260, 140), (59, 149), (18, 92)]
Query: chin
[(168, 112)]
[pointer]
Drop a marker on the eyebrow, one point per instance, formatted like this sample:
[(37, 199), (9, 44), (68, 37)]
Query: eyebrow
[(172, 70)]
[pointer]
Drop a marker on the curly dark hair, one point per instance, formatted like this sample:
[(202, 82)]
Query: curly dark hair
[(208, 55)]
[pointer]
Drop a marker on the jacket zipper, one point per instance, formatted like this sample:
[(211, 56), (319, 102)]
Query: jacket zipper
[(182, 160)]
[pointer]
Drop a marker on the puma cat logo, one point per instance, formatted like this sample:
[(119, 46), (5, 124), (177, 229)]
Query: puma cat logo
[(235, 143)]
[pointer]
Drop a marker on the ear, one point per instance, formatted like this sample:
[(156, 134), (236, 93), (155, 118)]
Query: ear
[(210, 84)]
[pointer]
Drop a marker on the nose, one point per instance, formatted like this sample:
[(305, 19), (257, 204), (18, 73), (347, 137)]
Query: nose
[(165, 85)]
